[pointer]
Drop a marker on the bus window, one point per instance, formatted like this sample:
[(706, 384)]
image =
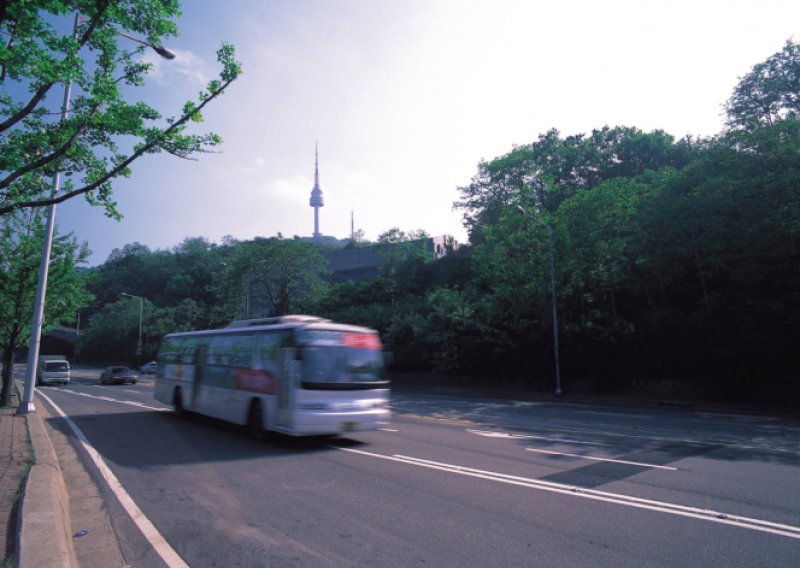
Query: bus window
[(188, 348), (231, 351), (170, 351), (269, 346), (335, 360)]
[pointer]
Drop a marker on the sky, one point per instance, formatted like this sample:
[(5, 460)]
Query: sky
[(405, 98)]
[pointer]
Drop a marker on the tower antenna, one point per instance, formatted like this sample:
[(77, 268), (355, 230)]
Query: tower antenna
[(316, 200)]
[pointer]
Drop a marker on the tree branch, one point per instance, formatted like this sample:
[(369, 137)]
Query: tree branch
[(6, 208), (43, 90)]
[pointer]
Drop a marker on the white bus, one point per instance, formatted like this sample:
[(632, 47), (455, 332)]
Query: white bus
[(298, 375)]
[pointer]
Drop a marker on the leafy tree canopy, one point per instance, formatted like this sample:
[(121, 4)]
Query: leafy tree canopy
[(769, 93), (104, 132), (21, 235), (552, 169)]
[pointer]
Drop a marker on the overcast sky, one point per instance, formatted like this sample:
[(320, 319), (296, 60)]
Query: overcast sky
[(405, 97)]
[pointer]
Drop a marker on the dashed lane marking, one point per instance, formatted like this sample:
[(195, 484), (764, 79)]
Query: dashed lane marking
[(602, 459)]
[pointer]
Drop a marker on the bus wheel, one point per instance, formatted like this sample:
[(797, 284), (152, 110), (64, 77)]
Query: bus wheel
[(177, 404), (255, 421)]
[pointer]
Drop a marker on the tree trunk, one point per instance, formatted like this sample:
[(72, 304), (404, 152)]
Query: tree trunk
[(701, 273), (8, 375)]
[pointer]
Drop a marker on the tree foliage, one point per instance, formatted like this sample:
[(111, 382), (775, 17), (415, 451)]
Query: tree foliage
[(552, 169), (769, 93), (677, 268), (21, 235), (104, 132), (275, 276), (196, 285)]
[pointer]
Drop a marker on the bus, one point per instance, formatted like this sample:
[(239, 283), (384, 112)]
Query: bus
[(297, 375)]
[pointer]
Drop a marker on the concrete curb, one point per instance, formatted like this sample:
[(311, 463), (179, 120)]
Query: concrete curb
[(44, 526)]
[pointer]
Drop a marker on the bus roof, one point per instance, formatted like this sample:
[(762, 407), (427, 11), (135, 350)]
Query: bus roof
[(278, 323)]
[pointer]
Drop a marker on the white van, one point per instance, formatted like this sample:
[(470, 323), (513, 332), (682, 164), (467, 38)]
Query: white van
[(52, 369)]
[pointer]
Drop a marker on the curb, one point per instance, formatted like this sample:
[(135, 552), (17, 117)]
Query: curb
[(44, 526)]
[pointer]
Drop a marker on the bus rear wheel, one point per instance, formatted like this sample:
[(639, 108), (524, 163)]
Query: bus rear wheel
[(255, 421)]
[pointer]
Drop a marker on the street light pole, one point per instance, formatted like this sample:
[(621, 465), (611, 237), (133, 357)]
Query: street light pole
[(139, 344), (27, 405), (552, 292)]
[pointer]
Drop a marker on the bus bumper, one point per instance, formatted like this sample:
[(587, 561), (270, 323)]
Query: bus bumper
[(310, 423)]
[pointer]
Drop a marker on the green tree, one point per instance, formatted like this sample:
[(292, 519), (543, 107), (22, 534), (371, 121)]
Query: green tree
[(770, 92), (274, 276), (402, 257), (553, 169), (105, 133), (21, 237)]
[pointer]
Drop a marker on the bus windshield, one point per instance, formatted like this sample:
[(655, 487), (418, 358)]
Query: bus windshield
[(333, 360)]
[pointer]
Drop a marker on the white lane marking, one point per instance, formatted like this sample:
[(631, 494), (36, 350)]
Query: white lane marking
[(602, 459), (109, 399), (621, 414), (708, 515), (150, 532), (740, 417), (506, 435), (388, 430)]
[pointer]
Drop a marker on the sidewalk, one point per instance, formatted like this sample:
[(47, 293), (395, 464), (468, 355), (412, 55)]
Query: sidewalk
[(34, 504), (16, 458)]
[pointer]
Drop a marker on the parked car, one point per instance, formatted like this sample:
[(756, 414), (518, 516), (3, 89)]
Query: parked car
[(118, 374), (149, 368)]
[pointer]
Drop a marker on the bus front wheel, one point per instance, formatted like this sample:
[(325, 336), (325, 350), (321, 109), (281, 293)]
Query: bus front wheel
[(177, 404)]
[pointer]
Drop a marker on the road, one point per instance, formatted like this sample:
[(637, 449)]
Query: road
[(452, 482)]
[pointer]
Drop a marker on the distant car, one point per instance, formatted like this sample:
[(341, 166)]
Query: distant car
[(149, 368), (118, 374), (52, 369)]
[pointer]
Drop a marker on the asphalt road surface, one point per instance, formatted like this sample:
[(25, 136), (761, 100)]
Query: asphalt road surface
[(452, 482)]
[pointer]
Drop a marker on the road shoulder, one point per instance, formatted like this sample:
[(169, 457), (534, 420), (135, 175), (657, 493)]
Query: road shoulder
[(97, 545)]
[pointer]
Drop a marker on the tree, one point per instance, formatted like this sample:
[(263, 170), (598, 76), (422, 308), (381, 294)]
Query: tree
[(20, 250), (275, 276), (769, 93), (402, 255), (104, 133), (553, 169)]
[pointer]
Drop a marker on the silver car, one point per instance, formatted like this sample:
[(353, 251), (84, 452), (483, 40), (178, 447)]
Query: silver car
[(118, 374)]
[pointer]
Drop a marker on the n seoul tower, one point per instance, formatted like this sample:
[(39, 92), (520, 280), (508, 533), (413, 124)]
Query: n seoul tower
[(316, 200)]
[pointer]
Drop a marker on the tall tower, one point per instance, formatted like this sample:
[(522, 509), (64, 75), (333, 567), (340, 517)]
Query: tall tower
[(316, 200)]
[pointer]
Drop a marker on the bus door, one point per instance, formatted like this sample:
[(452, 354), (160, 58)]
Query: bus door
[(287, 381), (199, 374)]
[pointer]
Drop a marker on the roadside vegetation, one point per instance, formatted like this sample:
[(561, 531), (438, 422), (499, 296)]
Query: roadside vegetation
[(70, 124), (677, 266)]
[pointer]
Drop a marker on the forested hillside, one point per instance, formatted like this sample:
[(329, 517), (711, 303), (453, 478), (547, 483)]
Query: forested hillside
[(676, 266)]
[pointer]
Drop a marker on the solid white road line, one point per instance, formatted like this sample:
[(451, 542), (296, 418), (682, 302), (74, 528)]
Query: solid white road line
[(158, 542), (620, 414), (601, 459), (708, 515), (109, 399), (492, 434)]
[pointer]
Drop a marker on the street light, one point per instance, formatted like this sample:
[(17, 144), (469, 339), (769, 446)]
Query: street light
[(26, 405), (139, 344), (552, 291), (162, 51)]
